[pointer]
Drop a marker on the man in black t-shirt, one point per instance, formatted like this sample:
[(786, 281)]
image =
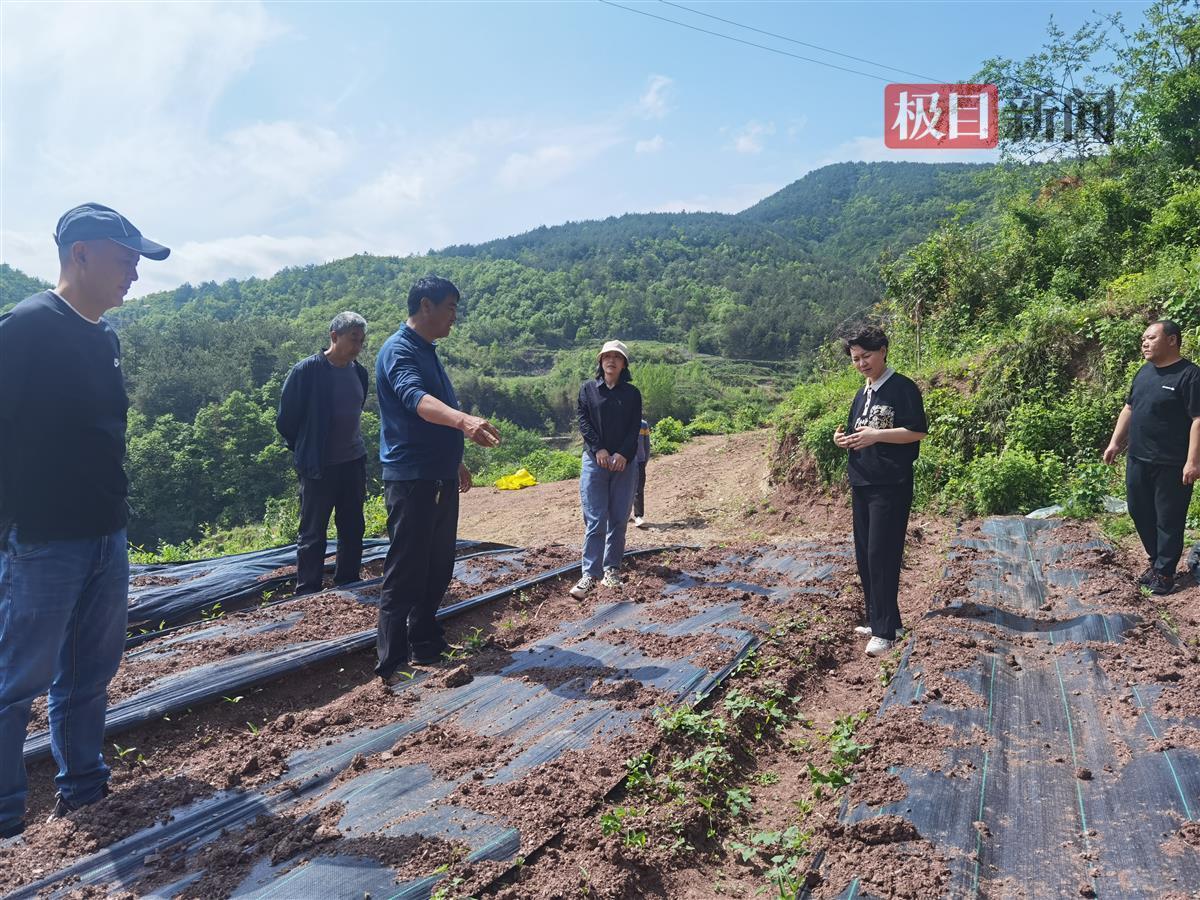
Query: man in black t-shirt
[(1160, 426), (320, 413), (64, 560)]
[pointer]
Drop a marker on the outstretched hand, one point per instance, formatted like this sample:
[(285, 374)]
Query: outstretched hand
[(481, 431)]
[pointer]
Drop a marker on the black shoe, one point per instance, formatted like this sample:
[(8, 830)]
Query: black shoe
[(11, 831), (1161, 584), (1145, 578), (428, 656), (400, 676), (62, 808)]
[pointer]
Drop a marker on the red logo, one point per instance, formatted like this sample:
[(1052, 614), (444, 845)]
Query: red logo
[(941, 116)]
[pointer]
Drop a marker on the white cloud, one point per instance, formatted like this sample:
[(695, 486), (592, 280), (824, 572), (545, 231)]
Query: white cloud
[(241, 257), (654, 145), (750, 138), (554, 156), (654, 101), (175, 60), (407, 185)]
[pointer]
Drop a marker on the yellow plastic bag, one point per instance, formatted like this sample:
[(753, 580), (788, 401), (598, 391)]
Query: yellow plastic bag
[(516, 481)]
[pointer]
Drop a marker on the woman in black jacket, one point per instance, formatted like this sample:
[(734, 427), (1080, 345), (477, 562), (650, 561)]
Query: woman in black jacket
[(610, 417)]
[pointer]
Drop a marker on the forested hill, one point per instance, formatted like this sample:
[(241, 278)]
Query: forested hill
[(851, 212), (15, 286), (769, 282), (691, 291)]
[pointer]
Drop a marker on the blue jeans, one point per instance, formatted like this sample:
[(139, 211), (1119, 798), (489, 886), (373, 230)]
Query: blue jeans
[(63, 613), (606, 498)]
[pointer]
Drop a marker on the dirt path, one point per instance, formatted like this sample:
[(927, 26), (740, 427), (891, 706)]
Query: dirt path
[(713, 491)]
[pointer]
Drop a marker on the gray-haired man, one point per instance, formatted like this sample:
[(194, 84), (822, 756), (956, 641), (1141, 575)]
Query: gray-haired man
[(320, 409)]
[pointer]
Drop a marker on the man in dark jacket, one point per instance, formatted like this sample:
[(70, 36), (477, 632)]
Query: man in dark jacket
[(64, 560), (320, 412)]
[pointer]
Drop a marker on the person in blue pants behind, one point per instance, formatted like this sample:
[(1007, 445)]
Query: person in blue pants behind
[(64, 560), (610, 417)]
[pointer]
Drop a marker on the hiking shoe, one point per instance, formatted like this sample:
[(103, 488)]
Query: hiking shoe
[(62, 808), (430, 657), (401, 675), (583, 587), (1161, 584), (611, 579), (878, 646), (639, 522), (1146, 577)]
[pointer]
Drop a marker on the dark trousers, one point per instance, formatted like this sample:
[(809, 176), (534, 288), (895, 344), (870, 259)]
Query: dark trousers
[(880, 527), (639, 498), (423, 528), (1158, 504), (341, 490)]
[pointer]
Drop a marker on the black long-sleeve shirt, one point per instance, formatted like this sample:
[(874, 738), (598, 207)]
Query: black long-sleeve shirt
[(62, 423), (610, 418)]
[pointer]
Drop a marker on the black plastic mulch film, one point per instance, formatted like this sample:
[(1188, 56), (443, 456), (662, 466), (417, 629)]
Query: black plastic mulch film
[(534, 714), (240, 671), (167, 594), (1045, 832)]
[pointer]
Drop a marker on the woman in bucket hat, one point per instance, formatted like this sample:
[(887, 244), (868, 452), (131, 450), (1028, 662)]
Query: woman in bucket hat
[(610, 417)]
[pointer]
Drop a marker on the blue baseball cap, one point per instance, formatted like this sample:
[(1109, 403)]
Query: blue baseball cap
[(94, 222)]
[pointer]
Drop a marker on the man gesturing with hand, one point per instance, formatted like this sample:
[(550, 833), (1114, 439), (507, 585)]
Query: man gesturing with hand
[(421, 439)]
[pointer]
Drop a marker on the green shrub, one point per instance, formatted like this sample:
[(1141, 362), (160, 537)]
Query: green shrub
[(375, 515), (1086, 488), (935, 469), (818, 441), (1036, 427), (710, 423), (747, 418), (667, 436), (553, 465), (1014, 481)]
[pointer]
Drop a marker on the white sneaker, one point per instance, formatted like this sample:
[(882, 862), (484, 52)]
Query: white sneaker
[(639, 522), (877, 646), (583, 587), (611, 579), (865, 631)]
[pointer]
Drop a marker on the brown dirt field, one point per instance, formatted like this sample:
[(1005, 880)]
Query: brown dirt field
[(714, 494), (714, 490)]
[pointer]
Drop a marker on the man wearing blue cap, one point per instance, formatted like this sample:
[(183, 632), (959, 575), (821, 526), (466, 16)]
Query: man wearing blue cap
[(64, 562)]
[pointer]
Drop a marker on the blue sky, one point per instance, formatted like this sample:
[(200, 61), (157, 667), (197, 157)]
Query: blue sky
[(252, 136)]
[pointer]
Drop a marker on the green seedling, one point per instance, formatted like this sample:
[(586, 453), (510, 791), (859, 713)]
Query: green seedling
[(637, 772), (614, 822), (738, 801), (766, 778), (702, 726), (785, 851), (254, 729), (213, 613), (476, 641), (237, 699)]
